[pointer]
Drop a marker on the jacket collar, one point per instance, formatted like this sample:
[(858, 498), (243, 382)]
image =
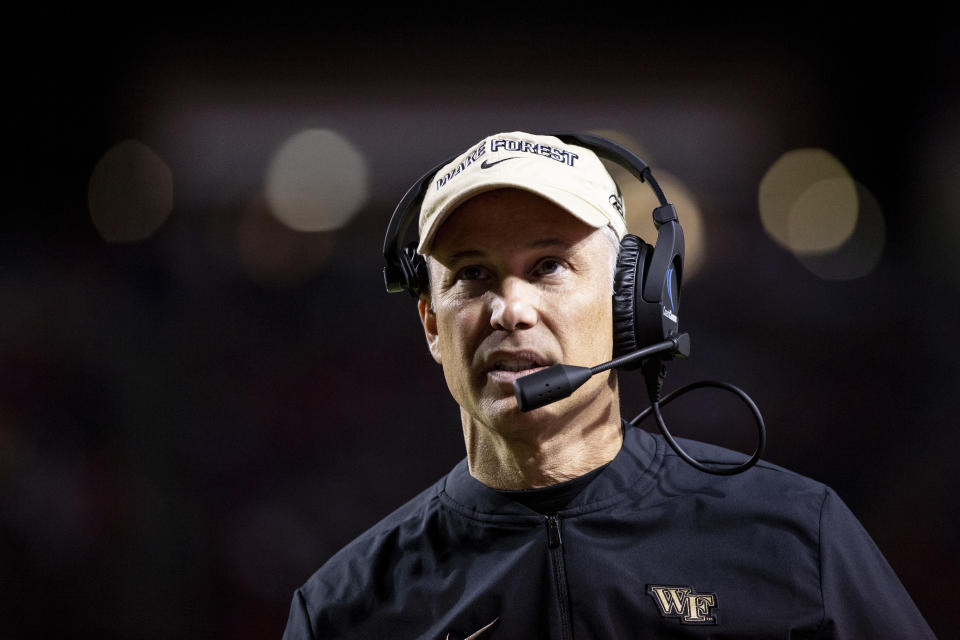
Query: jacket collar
[(632, 472)]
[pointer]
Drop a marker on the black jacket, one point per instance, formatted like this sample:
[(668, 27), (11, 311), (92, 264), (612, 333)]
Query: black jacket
[(651, 548)]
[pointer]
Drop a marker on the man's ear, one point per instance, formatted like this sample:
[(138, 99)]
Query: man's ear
[(429, 321)]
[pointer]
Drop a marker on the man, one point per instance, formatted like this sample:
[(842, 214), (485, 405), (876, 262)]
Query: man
[(564, 521)]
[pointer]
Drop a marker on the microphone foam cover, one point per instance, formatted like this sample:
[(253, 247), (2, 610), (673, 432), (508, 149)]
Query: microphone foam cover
[(549, 385)]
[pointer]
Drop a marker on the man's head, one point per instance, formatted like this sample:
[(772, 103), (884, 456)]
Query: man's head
[(520, 264)]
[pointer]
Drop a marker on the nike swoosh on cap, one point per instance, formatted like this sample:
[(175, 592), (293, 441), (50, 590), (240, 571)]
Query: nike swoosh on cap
[(486, 164), (476, 634)]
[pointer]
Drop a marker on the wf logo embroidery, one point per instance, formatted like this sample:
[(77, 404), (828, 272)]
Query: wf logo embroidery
[(684, 603)]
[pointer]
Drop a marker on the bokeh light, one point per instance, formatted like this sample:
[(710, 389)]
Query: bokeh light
[(317, 181), (811, 205), (130, 193), (808, 202), (273, 255), (823, 217), (861, 252)]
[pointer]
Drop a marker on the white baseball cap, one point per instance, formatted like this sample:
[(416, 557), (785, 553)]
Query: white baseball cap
[(570, 176)]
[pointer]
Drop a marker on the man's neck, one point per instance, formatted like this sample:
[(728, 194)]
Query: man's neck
[(540, 459)]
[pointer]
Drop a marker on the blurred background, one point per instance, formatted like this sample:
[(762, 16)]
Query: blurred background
[(205, 391)]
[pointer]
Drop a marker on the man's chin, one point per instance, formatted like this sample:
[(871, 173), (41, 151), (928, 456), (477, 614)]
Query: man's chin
[(497, 408), (503, 416)]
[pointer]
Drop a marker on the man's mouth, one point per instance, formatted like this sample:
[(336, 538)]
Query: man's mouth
[(517, 365), (508, 367)]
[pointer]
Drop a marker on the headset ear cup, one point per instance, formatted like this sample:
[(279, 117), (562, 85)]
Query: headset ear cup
[(421, 275), (627, 285), (415, 271)]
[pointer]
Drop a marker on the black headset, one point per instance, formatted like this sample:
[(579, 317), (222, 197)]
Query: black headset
[(647, 279), (646, 300)]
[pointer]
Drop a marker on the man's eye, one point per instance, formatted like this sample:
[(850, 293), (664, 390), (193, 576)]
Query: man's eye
[(548, 267), (473, 272)]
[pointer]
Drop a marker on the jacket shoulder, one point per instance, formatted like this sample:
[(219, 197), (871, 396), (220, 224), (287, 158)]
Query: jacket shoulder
[(354, 568), (714, 455), (766, 490)]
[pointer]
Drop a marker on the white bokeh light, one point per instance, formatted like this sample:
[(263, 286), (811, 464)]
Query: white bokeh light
[(808, 201), (862, 250), (811, 205), (823, 217), (317, 181)]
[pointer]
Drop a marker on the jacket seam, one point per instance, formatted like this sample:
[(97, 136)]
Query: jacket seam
[(483, 516), (306, 615), (659, 457), (823, 600)]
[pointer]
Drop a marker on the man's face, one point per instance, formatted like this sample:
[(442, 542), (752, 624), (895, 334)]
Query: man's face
[(518, 284)]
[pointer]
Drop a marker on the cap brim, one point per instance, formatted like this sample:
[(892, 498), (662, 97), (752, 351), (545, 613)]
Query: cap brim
[(569, 202)]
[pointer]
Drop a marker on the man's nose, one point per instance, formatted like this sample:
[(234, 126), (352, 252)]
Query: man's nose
[(515, 308)]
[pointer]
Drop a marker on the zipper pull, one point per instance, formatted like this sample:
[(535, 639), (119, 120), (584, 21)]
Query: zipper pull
[(553, 532)]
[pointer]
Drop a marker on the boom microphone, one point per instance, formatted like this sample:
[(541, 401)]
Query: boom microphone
[(559, 381)]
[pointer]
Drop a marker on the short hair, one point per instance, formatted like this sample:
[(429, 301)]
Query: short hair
[(615, 248)]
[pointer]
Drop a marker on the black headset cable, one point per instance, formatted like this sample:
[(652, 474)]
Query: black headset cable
[(654, 371)]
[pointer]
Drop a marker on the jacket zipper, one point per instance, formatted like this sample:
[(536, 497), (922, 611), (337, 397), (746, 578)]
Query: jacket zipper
[(555, 542)]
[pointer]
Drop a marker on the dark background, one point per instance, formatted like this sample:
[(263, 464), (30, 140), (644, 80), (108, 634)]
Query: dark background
[(184, 439)]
